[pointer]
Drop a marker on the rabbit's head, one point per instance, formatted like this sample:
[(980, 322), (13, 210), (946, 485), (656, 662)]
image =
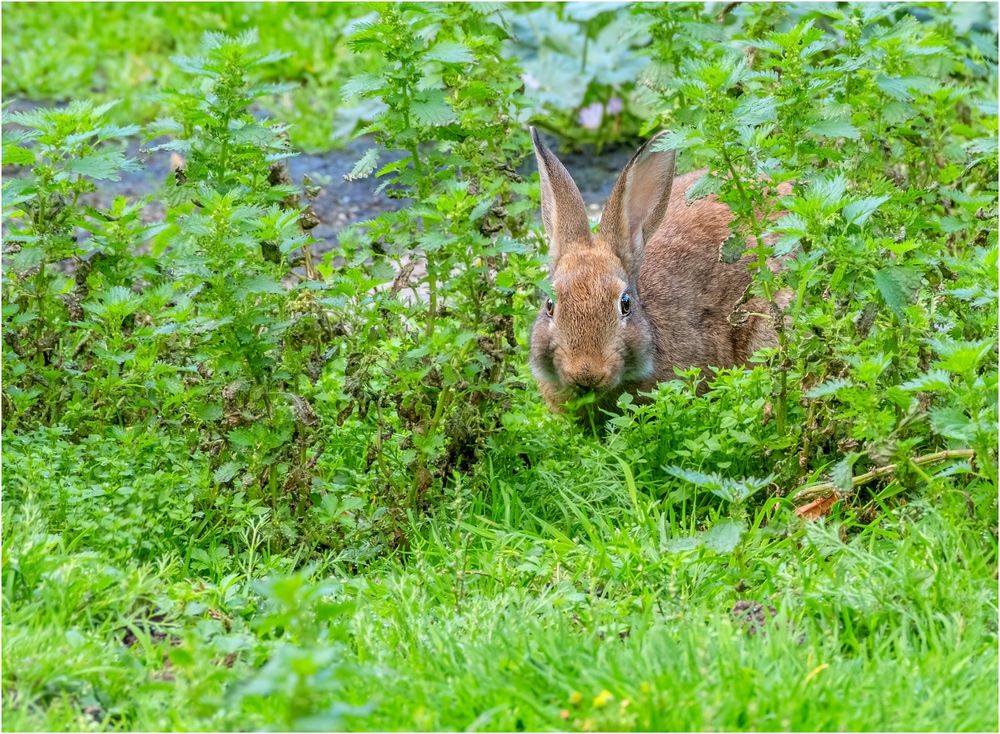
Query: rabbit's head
[(592, 335)]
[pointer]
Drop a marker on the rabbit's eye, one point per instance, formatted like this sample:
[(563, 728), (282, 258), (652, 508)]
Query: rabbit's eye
[(625, 304), (550, 307)]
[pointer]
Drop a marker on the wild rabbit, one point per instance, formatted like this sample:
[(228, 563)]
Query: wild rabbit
[(646, 293)]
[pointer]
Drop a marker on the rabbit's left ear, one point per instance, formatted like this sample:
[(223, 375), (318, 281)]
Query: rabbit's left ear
[(638, 202)]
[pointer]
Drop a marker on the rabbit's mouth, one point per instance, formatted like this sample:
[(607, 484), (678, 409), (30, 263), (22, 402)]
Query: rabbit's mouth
[(590, 381)]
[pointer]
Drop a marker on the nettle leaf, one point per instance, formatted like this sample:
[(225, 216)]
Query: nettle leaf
[(842, 474), (961, 357), (723, 537), (365, 165), (732, 249), (952, 422), (360, 85), (830, 387), (15, 155), (678, 140), (104, 165), (982, 146), (895, 87), (727, 488), (893, 285), (829, 190), (432, 108), (259, 284), (755, 110), (835, 129), (858, 212), (450, 52), (704, 186), (933, 381), (226, 472)]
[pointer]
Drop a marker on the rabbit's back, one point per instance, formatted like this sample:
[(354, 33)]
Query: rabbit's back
[(688, 294)]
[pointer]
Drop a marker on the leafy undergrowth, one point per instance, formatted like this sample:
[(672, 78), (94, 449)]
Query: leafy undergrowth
[(249, 488)]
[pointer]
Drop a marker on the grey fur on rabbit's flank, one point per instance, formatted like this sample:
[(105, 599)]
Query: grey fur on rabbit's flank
[(646, 293)]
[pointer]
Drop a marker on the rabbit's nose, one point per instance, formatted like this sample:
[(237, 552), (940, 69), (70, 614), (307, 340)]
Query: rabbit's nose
[(588, 378)]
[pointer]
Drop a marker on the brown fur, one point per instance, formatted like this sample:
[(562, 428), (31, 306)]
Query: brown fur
[(665, 253)]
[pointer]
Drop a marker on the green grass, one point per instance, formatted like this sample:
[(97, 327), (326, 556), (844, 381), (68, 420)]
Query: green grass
[(105, 51), (534, 598), (293, 523)]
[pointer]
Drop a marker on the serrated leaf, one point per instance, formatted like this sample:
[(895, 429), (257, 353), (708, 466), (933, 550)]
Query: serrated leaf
[(208, 411), (842, 474), (723, 537), (933, 381), (727, 488), (982, 146), (226, 472), (952, 422), (259, 284), (830, 387), (891, 286), (960, 357), (835, 129), (704, 186), (104, 165), (679, 545), (450, 52), (15, 155), (732, 249), (432, 108), (858, 212), (360, 86), (365, 165), (677, 140), (755, 110), (895, 87)]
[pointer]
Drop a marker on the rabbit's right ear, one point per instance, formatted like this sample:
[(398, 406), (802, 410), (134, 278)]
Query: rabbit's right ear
[(563, 213), (638, 202)]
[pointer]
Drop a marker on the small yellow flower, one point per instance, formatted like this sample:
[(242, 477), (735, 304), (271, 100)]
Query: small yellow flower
[(624, 704), (603, 699), (564, 714), (575, 698)]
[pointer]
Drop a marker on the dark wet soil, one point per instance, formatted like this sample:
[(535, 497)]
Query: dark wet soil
[(340, 203)]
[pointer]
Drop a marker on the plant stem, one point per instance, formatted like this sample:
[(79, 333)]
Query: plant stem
[(814, 491), (779, 323)]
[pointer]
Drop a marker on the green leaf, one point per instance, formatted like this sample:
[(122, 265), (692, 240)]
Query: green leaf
[(450, 52), (226, 472), (891, 285), (104, 165), (961, 357), (830, 387), (933, 381), (732, 249), (858, 212), (208, 411), (842, 474), (432, 108), (360, 85), (259, 284), (834, 129), (729, 489), (15, 155), (704, 186), (952, 422), (365, 165), (723, 537), (678, 140), (755, 110)]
